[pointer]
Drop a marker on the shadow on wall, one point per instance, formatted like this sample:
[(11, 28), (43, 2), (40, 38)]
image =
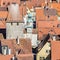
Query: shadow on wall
[(3, 31)]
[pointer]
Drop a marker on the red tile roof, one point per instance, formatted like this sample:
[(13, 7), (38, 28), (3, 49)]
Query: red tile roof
[(2, 25), (25, 45), (1, 36), (55, 50), (19, 57)]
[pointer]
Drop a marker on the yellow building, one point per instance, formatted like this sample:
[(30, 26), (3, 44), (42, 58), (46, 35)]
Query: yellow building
[(43, 52)]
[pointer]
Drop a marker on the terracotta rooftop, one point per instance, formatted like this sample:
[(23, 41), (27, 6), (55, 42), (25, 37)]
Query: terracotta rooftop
[(42, 15), (56, 6), (24, 46), (2, 25), (55, 50), (3, 14), (1, 36), (50, 12), (19, 57), (3, 9)]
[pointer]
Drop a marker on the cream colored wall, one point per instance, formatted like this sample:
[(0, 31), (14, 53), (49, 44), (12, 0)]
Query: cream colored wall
[(43, 53)]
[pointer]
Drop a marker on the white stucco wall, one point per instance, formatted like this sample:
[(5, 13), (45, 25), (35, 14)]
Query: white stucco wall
[(14, 30)]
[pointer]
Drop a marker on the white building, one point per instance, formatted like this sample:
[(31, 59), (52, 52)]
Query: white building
[(14, 29)]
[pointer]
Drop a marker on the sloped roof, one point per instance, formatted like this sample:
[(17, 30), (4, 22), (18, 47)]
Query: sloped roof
[(49, 12), (19, 57), (2, 25), (24, 46), (55, 50), (3, 9), (1, 36)]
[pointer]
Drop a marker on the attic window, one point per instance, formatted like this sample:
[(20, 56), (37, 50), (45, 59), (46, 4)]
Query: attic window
[(47, 51)]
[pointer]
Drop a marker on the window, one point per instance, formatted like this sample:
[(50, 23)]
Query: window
[(42, 58), (29, 17), (26, 29), (17, 23), (4, 50), (34, 24), (47, 51)]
